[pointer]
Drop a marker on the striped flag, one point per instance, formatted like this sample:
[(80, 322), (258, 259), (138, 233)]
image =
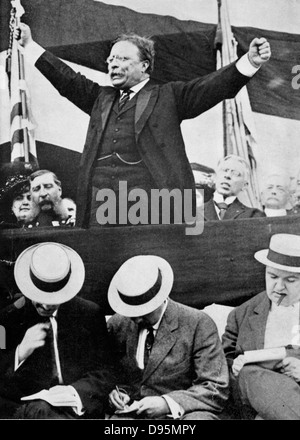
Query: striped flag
[(23, 148), (239, 128)]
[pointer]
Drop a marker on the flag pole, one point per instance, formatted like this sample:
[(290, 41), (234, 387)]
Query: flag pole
[(18, 12), (219, 41), (23, 101)]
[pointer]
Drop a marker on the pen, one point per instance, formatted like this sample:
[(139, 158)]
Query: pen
[(120, 395)]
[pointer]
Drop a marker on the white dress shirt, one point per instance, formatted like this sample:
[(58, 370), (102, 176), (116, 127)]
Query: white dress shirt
[(218, 198), (283, 326), (275, 212), (175, 409)]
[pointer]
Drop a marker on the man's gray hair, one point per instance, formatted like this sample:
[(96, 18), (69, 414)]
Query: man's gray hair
[(240, 160), (145, 46), (39, 173)]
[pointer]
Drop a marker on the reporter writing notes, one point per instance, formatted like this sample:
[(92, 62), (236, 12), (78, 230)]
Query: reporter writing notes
[(56, 341), (269, 320)]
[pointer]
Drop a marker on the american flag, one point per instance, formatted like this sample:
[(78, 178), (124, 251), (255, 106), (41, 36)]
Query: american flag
[(239, 127), (23, 146)]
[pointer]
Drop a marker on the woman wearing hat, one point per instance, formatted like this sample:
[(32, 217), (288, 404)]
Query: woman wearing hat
[(270, 320), (16, 206)]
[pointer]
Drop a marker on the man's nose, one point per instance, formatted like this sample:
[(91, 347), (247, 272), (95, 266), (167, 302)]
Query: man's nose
[(114, 63), (137, 321), (47, 306), (43, 192), (280, 284)]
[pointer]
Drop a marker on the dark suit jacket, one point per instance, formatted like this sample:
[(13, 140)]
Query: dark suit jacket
[(159, 111), (186, 362), (245, 329), (237, 210), (83, 352)]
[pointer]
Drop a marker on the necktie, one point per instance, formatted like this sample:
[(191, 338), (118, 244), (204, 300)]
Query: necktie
[(124, 98), (148, 344), (55, 362), (222, 207)]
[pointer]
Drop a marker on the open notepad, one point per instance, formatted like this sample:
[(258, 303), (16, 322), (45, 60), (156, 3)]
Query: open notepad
[(265, 354), (54, 400)]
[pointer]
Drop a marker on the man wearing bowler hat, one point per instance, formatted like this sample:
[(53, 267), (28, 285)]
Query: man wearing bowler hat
[(55, 341), (171, 357), (271, 320)]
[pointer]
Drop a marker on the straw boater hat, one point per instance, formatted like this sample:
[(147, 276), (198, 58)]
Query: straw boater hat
[(140, 285), (49, 273), (283, 253)]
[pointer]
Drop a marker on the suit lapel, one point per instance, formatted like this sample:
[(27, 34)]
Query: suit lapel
[(210, 212), (106, 105), (164, 340), (257, 322), (145, 103), (234, 210), (146, 100), (133, 341)]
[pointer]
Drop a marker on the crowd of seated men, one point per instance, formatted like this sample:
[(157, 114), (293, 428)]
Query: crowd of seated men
[(31, 199), (267, 324), (218, 191), (167, 360)]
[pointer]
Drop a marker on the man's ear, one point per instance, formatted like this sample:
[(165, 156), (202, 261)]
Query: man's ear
[(146, 65), (245, 186)]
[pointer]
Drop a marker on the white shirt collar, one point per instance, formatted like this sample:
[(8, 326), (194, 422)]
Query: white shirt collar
[(218, 198), (135, 89), (157, 324), (275, 212)]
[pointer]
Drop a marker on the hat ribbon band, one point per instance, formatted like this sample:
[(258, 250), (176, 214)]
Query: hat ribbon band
[(285, 260), (145, 297), (48, 286)]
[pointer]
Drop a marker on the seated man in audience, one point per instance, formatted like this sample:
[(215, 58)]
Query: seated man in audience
[(296, 196), (173, 365), (276, 195), (55, 341), (16, 204), (68, 209), (270, 320), (232, 177), (46, 191)]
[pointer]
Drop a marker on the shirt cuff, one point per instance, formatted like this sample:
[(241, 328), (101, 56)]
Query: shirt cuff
[(17, 363), (32, 52), (176, 410), (244, 66), (78, 409)]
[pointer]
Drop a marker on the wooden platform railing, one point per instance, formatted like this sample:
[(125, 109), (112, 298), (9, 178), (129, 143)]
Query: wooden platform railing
[(215, 267)]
